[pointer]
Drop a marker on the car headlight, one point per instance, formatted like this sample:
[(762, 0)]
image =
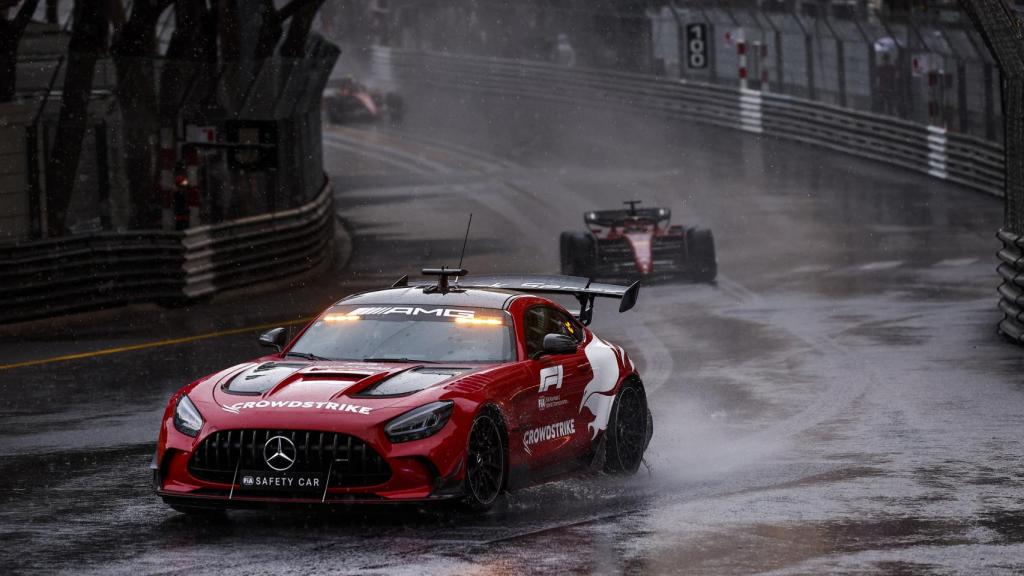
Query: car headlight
[(187, 418), (419, 423)]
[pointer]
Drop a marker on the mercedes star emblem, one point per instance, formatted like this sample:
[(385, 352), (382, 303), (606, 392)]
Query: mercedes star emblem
[(279, 453)]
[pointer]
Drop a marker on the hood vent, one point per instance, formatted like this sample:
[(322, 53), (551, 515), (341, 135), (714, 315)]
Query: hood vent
[(262, 377), (411, 381)]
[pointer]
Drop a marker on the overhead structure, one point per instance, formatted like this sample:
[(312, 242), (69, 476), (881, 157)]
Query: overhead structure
[(1000, 26)]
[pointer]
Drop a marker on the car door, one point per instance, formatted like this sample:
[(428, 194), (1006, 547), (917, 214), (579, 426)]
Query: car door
[(552, 435)]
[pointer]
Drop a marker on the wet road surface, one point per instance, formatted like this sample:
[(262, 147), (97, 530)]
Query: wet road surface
[(837, 402)]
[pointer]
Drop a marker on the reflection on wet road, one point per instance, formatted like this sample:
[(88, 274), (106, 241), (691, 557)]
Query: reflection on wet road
[(837, 402)]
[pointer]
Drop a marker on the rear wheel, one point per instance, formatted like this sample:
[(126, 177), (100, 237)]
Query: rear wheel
[(628, 430), (485, 462), (703, 262), (577, 253)]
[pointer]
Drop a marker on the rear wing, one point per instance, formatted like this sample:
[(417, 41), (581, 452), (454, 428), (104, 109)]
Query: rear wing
[(612, 218), (583, 289)]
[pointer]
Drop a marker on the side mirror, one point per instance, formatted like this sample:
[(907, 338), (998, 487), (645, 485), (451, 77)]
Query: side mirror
[(559, 344), (275, 338)]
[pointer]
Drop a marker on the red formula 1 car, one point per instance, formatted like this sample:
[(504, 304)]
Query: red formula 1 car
[(416, 393), (353, 102), (638, 243)]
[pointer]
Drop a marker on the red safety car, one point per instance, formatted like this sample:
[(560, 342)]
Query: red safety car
[(353, 102), (431, 391), (638, 243)]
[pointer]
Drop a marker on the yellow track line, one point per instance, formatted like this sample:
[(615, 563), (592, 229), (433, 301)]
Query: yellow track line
[(145, 345)]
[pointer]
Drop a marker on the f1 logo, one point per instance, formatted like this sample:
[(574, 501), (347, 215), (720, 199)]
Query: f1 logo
[(551, 376)]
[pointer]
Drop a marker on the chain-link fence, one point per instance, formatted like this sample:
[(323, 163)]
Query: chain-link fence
[(243, 137)]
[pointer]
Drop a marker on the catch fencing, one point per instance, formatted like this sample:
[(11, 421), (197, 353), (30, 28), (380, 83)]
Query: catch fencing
[(965, 159), (49, 277)]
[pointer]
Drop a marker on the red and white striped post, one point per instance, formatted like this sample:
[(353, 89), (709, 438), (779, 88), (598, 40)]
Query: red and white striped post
[(741, 52), (194, 196), (166, 183)]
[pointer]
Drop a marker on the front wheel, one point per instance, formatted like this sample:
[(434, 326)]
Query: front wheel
[(628, 430), (485, 462)]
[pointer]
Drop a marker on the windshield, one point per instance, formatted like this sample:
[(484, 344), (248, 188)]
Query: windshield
[(409, 333)]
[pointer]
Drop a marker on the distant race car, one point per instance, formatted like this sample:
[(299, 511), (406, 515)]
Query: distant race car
[(353, 102), (442, 390), (638, 243)]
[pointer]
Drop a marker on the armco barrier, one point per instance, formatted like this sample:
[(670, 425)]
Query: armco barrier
[(50, 277), (959, 158)]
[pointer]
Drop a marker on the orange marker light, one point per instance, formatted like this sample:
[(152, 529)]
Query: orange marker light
[(341, 317), (480, 321)]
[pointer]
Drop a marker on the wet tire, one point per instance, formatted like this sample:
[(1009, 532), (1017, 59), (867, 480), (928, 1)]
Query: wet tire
[(629, 430), (577, 254), (486, 462), (703, 261)]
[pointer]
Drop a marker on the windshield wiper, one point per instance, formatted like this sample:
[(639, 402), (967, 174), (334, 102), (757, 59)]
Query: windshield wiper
[(307, 356), (393, 359)]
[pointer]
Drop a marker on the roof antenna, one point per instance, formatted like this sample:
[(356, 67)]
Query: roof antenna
[(464, 242)]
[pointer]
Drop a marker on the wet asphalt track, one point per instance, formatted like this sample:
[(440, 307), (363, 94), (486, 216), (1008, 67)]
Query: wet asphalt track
[(837, 402)]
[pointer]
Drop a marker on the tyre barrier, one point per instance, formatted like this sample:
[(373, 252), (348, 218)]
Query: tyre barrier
[(63, 275), (959, 158), (1011, 291)]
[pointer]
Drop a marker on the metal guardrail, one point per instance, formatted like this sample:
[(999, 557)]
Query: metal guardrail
[(967, 160), (50, 277)]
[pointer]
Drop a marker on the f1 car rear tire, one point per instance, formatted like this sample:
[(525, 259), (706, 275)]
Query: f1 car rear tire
[(703, 261), (485, 462), (629, 429), (577, 253)]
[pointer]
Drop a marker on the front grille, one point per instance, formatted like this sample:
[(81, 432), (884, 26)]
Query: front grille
[(354, 462)]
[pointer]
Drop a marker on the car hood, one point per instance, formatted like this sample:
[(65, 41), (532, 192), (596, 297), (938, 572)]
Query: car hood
[(299, 389)]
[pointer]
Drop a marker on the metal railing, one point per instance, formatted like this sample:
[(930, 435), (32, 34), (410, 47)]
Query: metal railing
[(49, 277), (960, 158)]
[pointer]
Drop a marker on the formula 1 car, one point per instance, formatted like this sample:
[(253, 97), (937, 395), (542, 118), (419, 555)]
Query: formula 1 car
[(353, 102), (638, 242), (425, 392)]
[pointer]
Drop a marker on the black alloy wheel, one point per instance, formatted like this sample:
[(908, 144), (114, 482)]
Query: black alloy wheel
[(627, 434), (485, 463)]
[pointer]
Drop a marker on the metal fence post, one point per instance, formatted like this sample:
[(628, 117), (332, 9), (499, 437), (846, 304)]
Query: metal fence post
[(32, 173)]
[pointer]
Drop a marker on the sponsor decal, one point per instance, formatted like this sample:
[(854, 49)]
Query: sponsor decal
[(552, 287), (551, 376), (257, 480), (277, 404), (413, 311), (549, 432), (545, 402)]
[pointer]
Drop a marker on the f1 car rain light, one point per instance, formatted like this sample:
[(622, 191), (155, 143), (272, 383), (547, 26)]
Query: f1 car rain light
[(187, 418), (420, 423)]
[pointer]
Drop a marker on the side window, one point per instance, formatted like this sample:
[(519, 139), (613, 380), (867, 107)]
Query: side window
[(535, 325), (561, 323)]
